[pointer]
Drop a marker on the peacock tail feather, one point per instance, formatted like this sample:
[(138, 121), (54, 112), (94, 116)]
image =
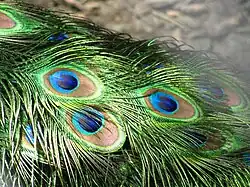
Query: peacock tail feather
[(84, 106)]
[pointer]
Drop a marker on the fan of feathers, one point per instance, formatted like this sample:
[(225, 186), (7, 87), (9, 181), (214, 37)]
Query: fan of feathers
[(87, 107)]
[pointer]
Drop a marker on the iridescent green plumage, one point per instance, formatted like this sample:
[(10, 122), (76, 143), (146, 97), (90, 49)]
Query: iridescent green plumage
[(83, 106)]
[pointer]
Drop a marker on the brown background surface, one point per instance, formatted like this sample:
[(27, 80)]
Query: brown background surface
[(221, 26)]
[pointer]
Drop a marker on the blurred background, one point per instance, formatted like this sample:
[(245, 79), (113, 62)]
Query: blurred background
[(221, 26)]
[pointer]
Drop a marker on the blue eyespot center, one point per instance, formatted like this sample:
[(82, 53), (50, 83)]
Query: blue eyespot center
[(88, 121), (29, 134), (164, 103), (214, 91), (58, 37), (64, 81)]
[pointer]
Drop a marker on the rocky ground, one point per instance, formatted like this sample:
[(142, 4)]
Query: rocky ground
[(220, 26)]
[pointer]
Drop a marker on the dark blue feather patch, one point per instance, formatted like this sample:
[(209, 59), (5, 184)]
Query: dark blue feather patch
[(88, 122), (164, 103), (214, 92), (64, 81), (58, 37)]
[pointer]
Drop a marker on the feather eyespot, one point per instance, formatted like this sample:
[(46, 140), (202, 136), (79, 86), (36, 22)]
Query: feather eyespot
[(214, 142), (97, 130), (70, 83), (13, 21), (168, 104), (226, 90), (220, 93), (88, 122), (6, 22), (208, 141)]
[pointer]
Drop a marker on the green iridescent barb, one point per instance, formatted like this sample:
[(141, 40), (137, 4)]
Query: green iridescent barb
[(84, 106)]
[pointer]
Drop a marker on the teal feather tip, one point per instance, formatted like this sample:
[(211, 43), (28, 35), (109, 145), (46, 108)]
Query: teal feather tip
[(84, 106)]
